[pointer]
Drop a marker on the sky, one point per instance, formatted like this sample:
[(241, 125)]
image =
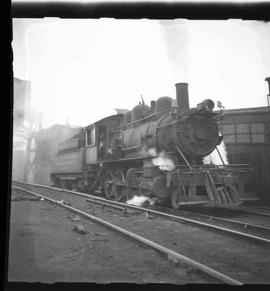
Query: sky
[(81, 70)]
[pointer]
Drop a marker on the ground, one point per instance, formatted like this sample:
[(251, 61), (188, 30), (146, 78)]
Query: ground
[(44, 247)]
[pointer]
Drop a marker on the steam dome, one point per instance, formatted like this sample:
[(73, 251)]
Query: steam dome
[(140, 111), (163, 103)]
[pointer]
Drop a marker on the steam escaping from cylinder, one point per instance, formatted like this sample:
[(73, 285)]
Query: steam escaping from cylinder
[(164, 164), (152, 152), (214, 157), (162, 161)]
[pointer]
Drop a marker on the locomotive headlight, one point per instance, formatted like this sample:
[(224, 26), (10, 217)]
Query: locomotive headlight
[(207, 105)]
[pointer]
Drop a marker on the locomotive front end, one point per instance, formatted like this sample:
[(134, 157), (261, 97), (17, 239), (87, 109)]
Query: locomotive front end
[(193, 132), (198, 133), (187, 136)]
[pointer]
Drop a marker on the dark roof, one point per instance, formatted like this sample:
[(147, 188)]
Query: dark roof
[(121, 111), (103, 119)]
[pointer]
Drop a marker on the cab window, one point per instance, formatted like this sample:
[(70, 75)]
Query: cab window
[(90, 136)]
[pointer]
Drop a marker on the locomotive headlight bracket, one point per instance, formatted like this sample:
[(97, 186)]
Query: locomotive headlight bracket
[(219, 140)]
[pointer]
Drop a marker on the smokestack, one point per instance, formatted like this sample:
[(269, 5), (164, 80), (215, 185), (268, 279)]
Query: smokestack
[(182, 95)]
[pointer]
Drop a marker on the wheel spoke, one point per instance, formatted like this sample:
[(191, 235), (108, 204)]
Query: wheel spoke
[(109, 185), (176, 196), (119, 191)]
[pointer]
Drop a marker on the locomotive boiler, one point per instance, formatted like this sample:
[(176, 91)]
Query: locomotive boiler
[(156, 151)]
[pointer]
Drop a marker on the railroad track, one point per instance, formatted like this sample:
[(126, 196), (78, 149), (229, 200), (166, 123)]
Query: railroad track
[(244, 224), (123, 208), (171, 255), (240, 229), (255, 210), (263, 208)]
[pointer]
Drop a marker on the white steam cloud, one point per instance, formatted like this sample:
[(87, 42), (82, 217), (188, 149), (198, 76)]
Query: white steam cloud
[(138, 200), (161, 160), (142, 200), (214, 157)]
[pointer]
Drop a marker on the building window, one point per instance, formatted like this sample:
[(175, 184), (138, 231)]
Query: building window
[(257, 137), (243, 138), (90, 136), (242, 128), (257, 127), (257, 133), (229, 138), (244, 133), (228, 129)]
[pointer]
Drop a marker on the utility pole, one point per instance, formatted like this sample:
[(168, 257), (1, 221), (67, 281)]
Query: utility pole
[(268, 95)]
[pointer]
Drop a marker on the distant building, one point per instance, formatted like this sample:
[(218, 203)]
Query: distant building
[(22, 101), (21, 114), (41, 150), (246, 134)]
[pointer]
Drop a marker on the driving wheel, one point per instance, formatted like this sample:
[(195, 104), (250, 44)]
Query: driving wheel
[(119, 191), (108, 184)]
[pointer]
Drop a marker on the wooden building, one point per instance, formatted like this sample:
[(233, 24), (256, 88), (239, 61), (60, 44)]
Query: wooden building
[(247, 137)]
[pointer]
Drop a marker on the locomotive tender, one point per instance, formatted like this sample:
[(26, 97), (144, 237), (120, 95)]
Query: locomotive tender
[(155, 151)]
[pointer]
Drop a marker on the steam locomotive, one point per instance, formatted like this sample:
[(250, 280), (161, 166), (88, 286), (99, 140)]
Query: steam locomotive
[(155, 151)]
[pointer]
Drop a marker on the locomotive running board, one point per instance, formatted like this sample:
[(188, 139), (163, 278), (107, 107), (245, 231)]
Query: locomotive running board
[(249, 199)]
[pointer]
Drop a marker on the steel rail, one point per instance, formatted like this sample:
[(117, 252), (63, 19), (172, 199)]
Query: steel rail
[(107, 204), (209, 217), (172, 255), (248, 210), (166, 215), (263, 207), (204, 224), (232, 221)]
